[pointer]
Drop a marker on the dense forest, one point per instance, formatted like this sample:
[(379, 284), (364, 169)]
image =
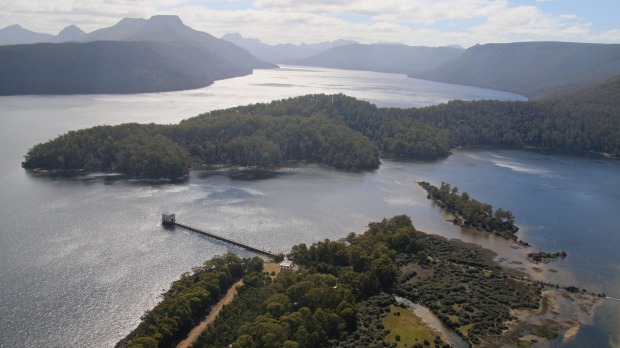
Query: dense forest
[(339, 131), (184, 305), (155, 151), (342, 294), (468, 212)]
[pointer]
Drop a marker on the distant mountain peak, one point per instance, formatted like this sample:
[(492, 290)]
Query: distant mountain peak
[(71, 31), (13, 27), (232, 35), (238, 39), (169, 20), (15, 34)]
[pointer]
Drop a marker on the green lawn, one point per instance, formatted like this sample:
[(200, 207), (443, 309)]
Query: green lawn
[(408, 326)]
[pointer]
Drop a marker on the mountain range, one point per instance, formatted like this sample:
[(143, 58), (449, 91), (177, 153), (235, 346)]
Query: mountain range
[(532, 69), (133, 56), (283, 53), (176, 56), (389, 58)]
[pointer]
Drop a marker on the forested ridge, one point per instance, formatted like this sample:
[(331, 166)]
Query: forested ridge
[(341, 294), (532, 69), (110, 67), (341, 132)]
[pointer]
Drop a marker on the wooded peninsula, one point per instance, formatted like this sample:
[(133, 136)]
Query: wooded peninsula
[(343, 295), (338, 131)]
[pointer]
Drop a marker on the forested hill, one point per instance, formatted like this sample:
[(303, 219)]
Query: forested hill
[(338, 131), (133, 56), (382, 58), (532, 69), (109, 67), (582, 120), (602, 96)]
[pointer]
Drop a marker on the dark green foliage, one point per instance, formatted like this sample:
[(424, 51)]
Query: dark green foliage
[(187, 301), (341, 294), (469, 212), (370, 330), (394, 135), (463, 290), (336, 306), (407, 139), (305, 308), (542, 256), (248, 139), (546, 124), (133, 149), (340, 131)]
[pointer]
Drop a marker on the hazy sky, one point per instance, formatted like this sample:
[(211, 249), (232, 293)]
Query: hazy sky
[(413, 22)]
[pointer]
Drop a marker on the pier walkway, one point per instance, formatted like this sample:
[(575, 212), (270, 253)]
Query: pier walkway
[(170, 220)]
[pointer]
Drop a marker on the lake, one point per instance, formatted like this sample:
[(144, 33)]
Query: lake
[(82, 257)]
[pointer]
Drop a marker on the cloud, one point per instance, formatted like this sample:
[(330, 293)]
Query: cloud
[(422, 11), (610, 36), (421, 22)]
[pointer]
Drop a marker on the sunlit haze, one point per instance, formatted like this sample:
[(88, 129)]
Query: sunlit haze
[(421, 22)]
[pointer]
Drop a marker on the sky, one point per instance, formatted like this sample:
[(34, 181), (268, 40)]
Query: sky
[(411, 22)]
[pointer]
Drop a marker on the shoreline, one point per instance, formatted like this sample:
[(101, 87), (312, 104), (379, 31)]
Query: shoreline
[(559, 318), (561, 313)]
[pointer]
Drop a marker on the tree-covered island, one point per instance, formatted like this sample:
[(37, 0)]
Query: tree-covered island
[(468, 212), (338, 131), (343, 295)]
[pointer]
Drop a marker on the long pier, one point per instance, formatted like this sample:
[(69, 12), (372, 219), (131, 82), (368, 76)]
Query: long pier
[(170, 220)]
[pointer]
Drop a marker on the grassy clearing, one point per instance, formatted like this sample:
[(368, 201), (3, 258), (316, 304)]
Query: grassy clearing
[(409, 327), (271, 267)]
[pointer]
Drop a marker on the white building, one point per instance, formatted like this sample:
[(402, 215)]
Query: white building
[(286, 265), (168, 218)]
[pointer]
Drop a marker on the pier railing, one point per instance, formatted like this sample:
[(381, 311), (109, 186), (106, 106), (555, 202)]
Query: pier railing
[(223, 239)]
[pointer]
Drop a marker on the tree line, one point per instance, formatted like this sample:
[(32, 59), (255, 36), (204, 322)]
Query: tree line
[(340, 295), (184, 305), (345, 288), (469, 212), (338, 131)]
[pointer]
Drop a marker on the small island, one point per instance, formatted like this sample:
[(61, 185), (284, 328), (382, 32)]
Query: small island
[(546, 257), (470, 213)]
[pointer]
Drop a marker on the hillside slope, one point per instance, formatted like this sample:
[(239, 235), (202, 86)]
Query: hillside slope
[(133, 56), (387, 58), (15, 34), (172, 29), (109, 67), (532, 69)]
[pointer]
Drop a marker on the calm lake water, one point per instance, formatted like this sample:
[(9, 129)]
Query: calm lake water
[(81, 258)]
